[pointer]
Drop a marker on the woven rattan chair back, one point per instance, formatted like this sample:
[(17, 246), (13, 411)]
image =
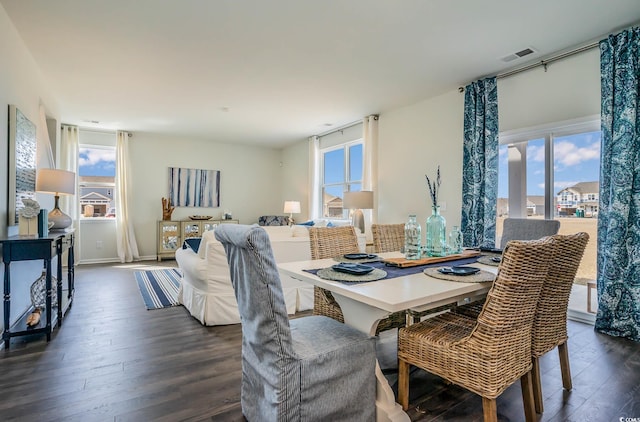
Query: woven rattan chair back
[(329, 242), (503, 330), (387, 237), (550, 322)]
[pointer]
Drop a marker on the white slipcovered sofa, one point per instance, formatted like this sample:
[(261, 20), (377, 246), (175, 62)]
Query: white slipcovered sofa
[(206, 290)]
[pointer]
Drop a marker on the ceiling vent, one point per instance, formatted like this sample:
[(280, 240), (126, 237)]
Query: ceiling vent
[(518, 55)]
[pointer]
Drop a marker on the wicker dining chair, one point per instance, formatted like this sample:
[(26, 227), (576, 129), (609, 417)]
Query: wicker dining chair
[(329, 242), (387, 237), (550, 322), (488, 354)]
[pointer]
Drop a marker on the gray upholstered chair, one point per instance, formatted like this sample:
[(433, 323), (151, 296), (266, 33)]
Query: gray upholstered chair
[(307, 369), (527, 229)]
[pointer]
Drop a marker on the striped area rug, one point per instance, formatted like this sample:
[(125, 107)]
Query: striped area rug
[(159, 288)]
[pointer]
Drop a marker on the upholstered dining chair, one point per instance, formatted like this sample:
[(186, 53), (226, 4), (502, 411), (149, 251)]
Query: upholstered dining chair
[(387, 237), (527, 229), (550, 322), (305, 369), (487, 354), (330, 242)]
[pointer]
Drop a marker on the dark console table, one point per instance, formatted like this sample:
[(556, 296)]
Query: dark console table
[(28, 248)]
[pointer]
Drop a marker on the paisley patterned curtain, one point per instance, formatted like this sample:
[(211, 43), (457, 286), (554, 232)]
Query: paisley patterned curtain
[(619, 212), (480, 169)]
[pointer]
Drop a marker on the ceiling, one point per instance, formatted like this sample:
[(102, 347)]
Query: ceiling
[(274, 72)]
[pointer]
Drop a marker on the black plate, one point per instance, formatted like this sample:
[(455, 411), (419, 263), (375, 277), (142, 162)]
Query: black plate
[(459, 270), (492, 250), (355, 269), (359, 256)]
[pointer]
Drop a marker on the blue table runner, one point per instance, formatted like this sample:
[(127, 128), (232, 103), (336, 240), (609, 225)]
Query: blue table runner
[(393, 272)]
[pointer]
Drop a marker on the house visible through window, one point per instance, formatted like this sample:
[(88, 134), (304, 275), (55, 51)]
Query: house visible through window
[(341, 172), (97, 171), (553, 173)]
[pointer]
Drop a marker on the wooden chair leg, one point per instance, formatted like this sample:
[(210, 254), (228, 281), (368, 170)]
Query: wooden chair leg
[(537, 386), (563, 351), (489, 410), (527, 397), (403, 384)]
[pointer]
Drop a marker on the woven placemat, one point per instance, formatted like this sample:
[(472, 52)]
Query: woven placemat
[(331, 274), (488, 260), (479, 277)]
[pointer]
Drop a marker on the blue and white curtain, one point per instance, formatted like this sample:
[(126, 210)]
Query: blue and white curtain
[(619, 211), (480, 169)]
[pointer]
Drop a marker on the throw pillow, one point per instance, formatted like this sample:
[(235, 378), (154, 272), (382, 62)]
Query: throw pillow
[(306, 223), (192, 243)]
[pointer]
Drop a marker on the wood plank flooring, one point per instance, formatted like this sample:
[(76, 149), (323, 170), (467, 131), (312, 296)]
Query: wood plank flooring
[(112, 360)]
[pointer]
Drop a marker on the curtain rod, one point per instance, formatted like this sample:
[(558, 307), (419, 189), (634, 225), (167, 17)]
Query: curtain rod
[(549, 60), (348, 125), (106, 131), (338, 129)]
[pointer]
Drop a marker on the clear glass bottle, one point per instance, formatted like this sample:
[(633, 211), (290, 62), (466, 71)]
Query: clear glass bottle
[(412, 238), (436, 226), (455, 241)]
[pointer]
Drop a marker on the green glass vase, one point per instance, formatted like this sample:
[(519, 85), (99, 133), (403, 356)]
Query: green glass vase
[(436, 237)]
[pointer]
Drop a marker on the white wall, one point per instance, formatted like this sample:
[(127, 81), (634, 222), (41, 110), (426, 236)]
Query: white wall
[(412, 142), (295, 178), (250, 184), (21, 84)]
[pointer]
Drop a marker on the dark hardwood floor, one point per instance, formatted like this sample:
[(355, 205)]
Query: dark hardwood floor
[(112, 360)]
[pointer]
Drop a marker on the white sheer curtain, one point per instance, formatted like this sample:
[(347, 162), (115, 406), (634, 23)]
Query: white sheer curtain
[(370, 170), (314, 177), (70, 204), (125, 236), (45, 155)]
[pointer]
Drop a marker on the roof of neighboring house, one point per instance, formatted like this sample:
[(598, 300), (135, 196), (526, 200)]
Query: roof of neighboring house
[(583, 187), (94, 196)]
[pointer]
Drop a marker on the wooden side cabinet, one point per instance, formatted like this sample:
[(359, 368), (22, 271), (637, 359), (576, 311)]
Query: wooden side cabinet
[(28, 248), (171, 234)]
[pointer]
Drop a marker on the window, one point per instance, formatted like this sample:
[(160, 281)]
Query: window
[(97, 171), (553, 172), (341, 172)]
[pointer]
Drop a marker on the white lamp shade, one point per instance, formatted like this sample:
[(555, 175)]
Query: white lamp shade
[(57, 182), (362, 200), (292, 207)]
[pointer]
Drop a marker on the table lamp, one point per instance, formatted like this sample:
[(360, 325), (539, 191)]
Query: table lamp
[(57, 182), (292, 207), (358, 201)]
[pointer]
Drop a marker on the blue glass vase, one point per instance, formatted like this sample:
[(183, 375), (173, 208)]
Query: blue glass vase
[(436, 228)]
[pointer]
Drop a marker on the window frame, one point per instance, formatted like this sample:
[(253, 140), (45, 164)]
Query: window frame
[(519, 139), (82, 185), (346, 146)]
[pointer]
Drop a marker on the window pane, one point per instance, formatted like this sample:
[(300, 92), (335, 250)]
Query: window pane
[(334, 166), (355, 162), (332, 202), (535, 178), (577, 185), (96, 170)]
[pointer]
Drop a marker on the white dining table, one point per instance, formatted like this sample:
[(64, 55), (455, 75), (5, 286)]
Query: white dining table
[(365, 304)]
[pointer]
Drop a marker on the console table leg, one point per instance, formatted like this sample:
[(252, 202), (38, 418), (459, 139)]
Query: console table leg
[(7, 306)]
